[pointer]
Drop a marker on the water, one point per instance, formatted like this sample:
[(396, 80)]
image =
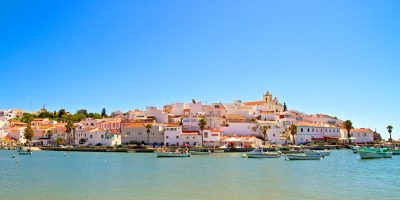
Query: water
[(49, 175)]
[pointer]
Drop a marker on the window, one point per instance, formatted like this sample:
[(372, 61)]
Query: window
[(308, 130), (301, 129), (166, 137), (273, 134), (365, 134), (205, 134), (91, 136), (102, 136), (140, 133), (177, 136)]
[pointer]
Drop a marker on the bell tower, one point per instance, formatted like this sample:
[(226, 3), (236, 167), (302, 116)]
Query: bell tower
[(268, 97)]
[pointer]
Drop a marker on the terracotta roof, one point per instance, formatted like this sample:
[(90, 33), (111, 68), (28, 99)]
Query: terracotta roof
[(173, 125), (133, 125), (254, 103), (359, 130), (308, 124)]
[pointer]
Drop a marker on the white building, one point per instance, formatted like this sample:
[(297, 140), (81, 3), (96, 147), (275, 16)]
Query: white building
[(171, 135), (212, 137), (161, 116), (239, 129), (309, 132), (98, 137), (362, 135)]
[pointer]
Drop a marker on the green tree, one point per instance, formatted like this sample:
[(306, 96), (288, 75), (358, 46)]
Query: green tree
[(148, 128), (202, 125), (28, 117), (61, 112), (83, 112), (284, 107), (28, 133), (103, 112), (390, 128), (69, 128), (59, 141), (293, 131), (49, 133), (348, 125), (264, 130)]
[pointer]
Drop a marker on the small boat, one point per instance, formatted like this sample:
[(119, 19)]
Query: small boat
[(369, 153), (24, 151), (355, 149), (218, 151), (307, 155), (200, 153), (396, 151), (177, 153), (259, 153), (324, 153)]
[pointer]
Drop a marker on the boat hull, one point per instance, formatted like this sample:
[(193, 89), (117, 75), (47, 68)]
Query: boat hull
[(324, 153), (171, 154), (264, 155), (303, 157), (396, 152), (372, 155), (199, 153)]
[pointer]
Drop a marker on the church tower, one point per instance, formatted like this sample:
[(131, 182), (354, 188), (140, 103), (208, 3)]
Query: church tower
[(267, 97)]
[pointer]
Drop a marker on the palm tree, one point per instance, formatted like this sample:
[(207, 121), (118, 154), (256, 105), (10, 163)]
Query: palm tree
[(293, 132), (69, 127), (389, 128), (264, 130), (148, 127), (202, 125), (28, 133), (348, 125), (49, 133)]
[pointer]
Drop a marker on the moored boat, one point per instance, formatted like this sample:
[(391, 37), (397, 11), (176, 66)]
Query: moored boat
[(200, 153), (369, 153), (355, 149), (260, 153), (177, 153), (24, 151), (396, 151), (324, 153), (307, 155)]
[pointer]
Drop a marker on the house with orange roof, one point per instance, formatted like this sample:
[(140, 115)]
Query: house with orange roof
[(212, 137), (136, 132), (110, 124), (16, 133), (308, 132), (361, 135), (97, 137)]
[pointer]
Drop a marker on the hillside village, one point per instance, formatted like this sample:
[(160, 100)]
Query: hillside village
[(241, 124)]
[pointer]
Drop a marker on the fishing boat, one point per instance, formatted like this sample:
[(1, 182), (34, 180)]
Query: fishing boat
[(355, 149), (306, 155), (324, 153), (24, 151), (260, 153), (200, 153), (177, 153), (369, 153), (396, 151)]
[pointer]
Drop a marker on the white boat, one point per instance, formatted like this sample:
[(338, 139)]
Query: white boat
[(369, 153), (355, 149), (259, 153), (177, 153), (218, 151), (307, 155), (200, 153), (24, 151), (324, 153)]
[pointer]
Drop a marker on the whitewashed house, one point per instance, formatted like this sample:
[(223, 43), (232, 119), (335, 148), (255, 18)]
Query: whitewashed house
[(362, 135), (212, 137)]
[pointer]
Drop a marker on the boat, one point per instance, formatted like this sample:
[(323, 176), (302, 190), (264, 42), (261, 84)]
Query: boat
[(177, 153), (369, 153), (24, 151), (260, 153), (355, 149), (200, 153), (218, 151), (324, 153), (396, 151), (306, 155)]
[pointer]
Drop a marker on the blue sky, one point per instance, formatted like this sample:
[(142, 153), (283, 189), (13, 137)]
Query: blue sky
[(335, 57)]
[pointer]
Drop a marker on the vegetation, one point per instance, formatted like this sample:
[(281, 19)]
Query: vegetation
[(284, 107), (264, 130), (103, 112), (377, 137), (202, 126), (390, 128), (348, 125), (28, 133), (148, 127), (59, 141), (293, 131), (49, 133)]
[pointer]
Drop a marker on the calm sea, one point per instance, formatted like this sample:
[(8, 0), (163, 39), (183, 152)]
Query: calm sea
[(49, 175)]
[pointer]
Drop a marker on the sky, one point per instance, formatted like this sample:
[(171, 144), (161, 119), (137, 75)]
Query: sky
[(334, 57)]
